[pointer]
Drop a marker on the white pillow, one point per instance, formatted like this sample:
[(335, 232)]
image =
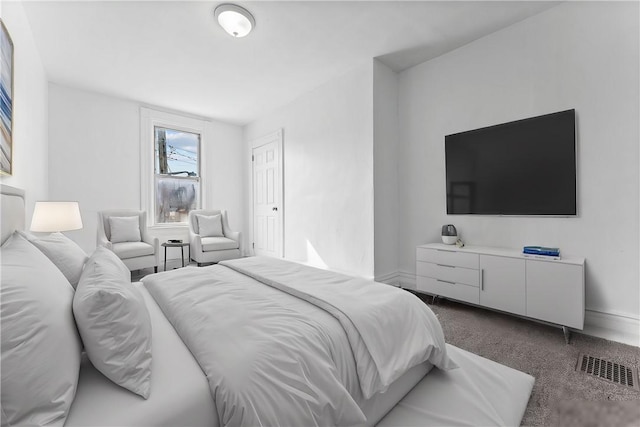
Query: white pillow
[(124, 229), (40, 343), (63, 252), (114, 322), (210, 226)]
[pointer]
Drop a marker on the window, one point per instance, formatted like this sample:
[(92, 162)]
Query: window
[(176, 174), (172, 166)]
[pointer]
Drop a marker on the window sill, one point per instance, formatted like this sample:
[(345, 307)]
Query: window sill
[(164, 232), (175, 225)]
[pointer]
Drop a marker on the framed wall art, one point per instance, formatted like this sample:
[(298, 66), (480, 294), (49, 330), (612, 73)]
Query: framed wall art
[(6, 101)]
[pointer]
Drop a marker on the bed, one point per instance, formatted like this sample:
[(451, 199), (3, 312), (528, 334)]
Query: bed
[(183, 390)]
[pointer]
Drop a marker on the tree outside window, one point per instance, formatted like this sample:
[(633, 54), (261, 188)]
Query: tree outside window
[(177, 174)]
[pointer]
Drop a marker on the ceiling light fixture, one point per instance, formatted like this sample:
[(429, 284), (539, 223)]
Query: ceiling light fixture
[(235, 20)]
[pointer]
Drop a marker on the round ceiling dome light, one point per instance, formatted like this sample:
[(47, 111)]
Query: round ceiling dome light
[(234, 19)]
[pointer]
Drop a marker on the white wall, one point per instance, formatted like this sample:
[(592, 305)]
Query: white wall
[(328, 172), (95, 159), (385, 168), (581, 55), (30, 93)]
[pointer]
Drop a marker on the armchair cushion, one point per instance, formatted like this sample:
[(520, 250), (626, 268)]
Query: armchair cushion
[(210, 226), (126, 250), (218, 244), (124, 229)]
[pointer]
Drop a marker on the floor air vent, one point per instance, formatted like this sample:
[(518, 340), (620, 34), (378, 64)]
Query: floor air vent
[(609, 371)]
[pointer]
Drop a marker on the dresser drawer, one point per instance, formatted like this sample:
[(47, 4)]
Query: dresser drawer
[(467, 276), (450, 290), (452, 258)]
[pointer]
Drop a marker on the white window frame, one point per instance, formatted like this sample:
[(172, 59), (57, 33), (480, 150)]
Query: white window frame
[(149, 120)]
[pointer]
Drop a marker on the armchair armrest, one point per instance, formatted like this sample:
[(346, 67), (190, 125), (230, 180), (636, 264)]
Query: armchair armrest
[(103, 241), (233, 235), (107, 244), (237, 236), (153, 241), (146, 237), (156, 249), (195, 245)]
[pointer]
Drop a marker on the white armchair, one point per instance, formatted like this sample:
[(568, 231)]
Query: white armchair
[(207, 247), (139, 252)]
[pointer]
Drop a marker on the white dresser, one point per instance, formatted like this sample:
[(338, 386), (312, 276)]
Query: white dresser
[(504, 279)]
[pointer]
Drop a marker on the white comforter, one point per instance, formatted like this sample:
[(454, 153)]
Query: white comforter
[(274, 359), (398, 331)]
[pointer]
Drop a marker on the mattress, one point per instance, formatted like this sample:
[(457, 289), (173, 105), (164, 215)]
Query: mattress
[(480, 393), (179, 391), (381, 403)]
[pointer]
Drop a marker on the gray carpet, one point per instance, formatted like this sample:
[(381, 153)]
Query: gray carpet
[(561, 396)]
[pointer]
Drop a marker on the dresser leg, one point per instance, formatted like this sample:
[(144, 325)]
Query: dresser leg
[(567, 334)]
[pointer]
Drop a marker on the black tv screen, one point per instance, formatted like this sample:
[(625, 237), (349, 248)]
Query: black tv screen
[(526, 167)]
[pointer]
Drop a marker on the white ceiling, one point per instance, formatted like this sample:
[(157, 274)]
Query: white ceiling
[(172, 54)]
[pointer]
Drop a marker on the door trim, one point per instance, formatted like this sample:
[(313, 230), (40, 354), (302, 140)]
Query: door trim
[(277, 137)]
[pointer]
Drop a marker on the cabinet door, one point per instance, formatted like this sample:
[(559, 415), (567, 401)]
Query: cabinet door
[(555, 293), (502, 283)]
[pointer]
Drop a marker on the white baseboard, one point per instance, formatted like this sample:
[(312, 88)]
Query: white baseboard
[(406, 280), (611, 326), (614, 327), (389, 279)]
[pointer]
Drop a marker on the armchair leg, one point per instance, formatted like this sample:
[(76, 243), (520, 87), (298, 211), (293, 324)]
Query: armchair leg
[(199, 264), (155, 269)]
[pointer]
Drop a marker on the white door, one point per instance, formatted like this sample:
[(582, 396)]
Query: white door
[(268, 211)]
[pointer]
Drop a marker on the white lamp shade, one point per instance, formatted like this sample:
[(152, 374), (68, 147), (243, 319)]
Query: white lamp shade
[(56, 216), (234, 19)]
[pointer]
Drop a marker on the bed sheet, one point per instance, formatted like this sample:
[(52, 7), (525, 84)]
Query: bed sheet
[(179, 390), (480, 393)]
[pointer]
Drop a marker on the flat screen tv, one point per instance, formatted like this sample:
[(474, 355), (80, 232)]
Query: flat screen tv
[(525, 167)]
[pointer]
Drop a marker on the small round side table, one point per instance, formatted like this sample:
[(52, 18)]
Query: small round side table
[(180, 245)]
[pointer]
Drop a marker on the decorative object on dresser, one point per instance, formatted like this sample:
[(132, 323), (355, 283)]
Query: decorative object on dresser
[(124, 231), (449, 234), (504, 279), (541, 252)]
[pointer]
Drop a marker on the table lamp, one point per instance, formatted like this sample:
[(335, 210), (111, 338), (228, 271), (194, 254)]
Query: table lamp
[(56, 216)]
